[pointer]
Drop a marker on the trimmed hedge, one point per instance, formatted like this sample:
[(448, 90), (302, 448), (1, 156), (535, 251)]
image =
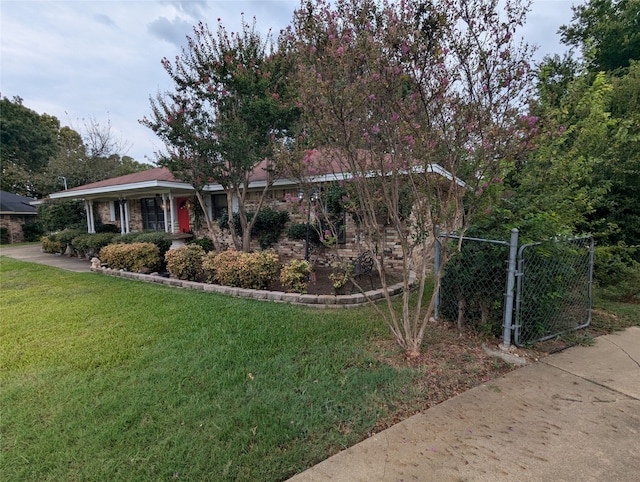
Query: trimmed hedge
[(134, 257), (294, 275), (186, 262), (243, 270), (91, 244)]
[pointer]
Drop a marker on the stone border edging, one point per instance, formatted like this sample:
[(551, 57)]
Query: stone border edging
[(316, 301)]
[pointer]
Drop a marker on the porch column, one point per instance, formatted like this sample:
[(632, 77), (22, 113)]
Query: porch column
[(166, 213), (174, 210), (122, 223), (126, 216), (88, 207)]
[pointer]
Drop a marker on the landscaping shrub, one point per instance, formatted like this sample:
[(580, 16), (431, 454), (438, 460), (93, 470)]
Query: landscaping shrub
[(91, 244), (298, 232), (51, 245), (294, 275), (125, 238), (106, 228), (159, 238), (62, 214), (208, 266), (186, 262), (132, 257), (67, 236), (245, 270), (268, 227), (58, 242), (204, 243), (32, 231)]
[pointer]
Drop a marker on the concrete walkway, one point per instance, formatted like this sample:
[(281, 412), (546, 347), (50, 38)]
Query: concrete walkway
[(34, 254), (573, 416)]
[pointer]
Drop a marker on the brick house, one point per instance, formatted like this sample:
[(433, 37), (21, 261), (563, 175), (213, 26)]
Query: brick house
[(155, 200), (15, 212)]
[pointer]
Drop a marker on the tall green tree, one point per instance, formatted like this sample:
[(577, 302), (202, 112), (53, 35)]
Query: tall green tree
[(28, 142), (606, 31), (228, 112)]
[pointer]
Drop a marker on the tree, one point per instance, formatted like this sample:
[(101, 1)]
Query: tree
[(227, 113), (36, 152), (28, 143), (405, 100), (562, 179), (607, 32), (77, 164)]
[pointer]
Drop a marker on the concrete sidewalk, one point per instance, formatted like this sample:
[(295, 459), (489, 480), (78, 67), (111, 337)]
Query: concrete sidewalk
[(33, 254), (573, 416)]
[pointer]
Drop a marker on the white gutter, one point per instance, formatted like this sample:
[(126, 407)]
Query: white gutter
[(120, 188)]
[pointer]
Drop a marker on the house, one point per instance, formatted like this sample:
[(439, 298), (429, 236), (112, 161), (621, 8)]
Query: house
[(15, 212), (155, 200)]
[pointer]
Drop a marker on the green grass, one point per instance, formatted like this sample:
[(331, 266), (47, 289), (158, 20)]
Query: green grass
[(108, 379)]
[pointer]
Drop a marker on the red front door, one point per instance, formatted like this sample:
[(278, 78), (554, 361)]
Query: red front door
[(183, 214)]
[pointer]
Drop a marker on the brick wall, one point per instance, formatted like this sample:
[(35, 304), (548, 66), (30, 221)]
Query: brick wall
[(287, 249), (14, 225)]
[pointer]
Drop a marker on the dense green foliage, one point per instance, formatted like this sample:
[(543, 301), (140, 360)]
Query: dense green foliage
[(606, 31), (38, 155), (583, 174), (267, 227), (62, 214), (241, 269), (230, 109), (185, 262)]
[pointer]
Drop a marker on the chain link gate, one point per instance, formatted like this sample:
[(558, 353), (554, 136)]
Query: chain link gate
[(545, 287), (553, 293)]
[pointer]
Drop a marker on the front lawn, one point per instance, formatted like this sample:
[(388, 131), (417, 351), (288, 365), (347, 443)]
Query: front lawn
[(109, 379)]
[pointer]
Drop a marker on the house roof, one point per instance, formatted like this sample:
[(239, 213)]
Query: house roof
[(150, 175), (149, 182), (161, 180), (14, 204)]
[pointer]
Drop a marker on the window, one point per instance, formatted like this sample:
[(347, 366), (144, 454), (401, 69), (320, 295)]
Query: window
[(152, 214), (114, 211), (219, 205)]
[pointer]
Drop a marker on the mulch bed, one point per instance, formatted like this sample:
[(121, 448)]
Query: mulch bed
[(321, 284)]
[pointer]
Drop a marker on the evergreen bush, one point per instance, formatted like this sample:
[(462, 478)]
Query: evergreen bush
[(134, 257), (294, 276), (186, 262)]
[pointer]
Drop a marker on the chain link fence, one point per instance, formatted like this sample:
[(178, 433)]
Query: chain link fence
[(553, 289), (528, 294)]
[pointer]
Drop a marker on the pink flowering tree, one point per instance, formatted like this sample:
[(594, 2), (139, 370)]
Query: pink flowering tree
[(226, 114), (411, 103)]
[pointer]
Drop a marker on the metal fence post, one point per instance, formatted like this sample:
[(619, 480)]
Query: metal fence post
[(436, 269), (511, 278)]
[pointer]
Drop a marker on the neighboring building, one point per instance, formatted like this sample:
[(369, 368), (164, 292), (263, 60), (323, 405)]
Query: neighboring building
[(15, 212)]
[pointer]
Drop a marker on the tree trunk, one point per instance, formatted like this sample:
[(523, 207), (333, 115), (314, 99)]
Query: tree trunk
[(207, 220)]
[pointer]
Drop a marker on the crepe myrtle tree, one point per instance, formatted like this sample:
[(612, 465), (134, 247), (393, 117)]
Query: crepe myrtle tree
[(411, 102), (227, 111)]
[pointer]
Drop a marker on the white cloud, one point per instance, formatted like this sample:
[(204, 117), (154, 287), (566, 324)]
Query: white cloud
[(101, 58)]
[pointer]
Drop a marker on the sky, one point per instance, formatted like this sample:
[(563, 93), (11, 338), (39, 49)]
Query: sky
[(100, 59)]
